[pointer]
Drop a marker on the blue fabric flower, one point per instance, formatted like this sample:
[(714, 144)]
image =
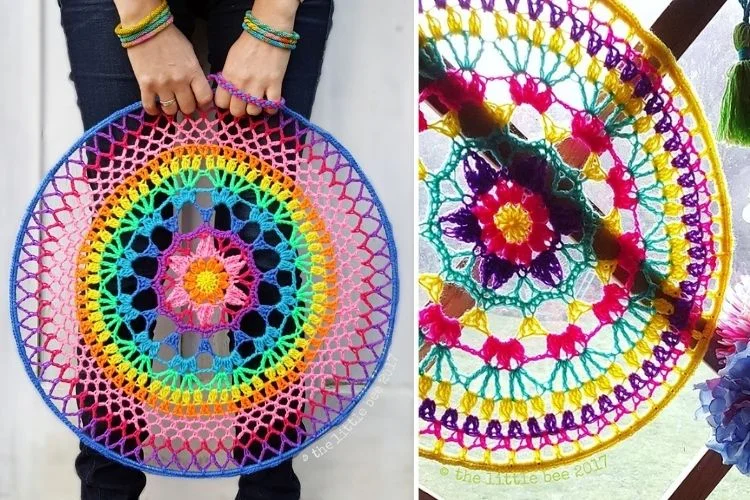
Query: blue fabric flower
[(726, 403)]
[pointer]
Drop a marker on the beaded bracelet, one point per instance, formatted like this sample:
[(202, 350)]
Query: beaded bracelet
[(268, 34), (264, 38), (148, 27)]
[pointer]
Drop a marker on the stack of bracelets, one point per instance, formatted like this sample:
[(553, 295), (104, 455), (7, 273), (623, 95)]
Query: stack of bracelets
[(151, 25), (161, 17), (265, 33)]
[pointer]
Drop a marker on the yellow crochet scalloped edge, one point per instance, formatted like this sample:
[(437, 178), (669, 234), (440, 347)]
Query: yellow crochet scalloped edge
[(672, 68)]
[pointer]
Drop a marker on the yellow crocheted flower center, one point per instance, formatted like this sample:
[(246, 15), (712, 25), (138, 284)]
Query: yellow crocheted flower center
[(514, 222), (206, 281)]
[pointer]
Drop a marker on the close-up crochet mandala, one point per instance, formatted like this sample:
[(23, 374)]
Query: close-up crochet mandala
[(204, 296), (575, 234)]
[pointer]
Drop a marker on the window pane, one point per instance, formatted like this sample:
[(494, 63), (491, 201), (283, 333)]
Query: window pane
[(734, 485), (648, 11)]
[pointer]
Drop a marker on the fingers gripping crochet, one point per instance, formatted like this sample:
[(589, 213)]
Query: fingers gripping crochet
[(205, 296), (575, 236), (258, 101)]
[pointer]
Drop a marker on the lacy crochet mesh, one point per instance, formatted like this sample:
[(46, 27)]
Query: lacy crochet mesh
[(204, 296), (574, 230)]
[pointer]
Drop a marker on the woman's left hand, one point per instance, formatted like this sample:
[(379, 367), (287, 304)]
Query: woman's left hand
[(255, 67)]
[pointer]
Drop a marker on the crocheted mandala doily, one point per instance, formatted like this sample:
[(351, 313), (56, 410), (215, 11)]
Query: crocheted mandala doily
[(206, 296), (575, 230)]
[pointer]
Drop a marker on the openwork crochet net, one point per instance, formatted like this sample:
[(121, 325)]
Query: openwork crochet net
[(204, 296), (575, 234)]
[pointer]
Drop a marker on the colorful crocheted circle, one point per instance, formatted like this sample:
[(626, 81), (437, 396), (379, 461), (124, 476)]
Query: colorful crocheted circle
[(206, 296), (575, 230)]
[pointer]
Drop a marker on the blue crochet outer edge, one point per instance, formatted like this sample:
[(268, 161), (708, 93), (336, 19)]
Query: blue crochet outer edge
[(233, 472)]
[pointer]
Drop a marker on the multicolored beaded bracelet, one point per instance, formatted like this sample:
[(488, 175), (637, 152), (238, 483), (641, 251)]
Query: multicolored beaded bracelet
[(268, 34), (151, 25)]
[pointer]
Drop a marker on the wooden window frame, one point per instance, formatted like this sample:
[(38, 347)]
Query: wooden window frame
[(678, 26)]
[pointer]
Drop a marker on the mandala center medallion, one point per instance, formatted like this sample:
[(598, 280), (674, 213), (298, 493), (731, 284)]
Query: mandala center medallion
[(219, 273), (514, 223), (206, 281)]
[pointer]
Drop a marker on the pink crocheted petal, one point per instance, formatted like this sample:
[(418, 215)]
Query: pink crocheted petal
[(178, 297), (205, 313), (234, 296), (206, 247), (180, 263), (233, 265)]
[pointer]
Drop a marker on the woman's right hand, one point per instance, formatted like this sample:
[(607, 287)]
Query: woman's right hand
[(166, 66)]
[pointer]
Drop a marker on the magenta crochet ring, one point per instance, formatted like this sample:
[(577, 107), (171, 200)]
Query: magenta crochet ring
[(258, 101)]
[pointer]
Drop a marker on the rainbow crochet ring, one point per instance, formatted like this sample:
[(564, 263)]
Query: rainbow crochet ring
[(575, 230), (204, 296)]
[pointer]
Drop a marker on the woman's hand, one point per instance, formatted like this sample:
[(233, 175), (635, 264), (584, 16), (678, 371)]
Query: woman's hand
[(255, 67), (165, 66)]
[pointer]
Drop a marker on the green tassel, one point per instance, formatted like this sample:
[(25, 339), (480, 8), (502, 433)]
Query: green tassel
[(734, 123)]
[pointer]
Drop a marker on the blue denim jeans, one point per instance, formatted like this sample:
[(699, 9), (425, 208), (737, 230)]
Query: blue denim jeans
[(104, 83)]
